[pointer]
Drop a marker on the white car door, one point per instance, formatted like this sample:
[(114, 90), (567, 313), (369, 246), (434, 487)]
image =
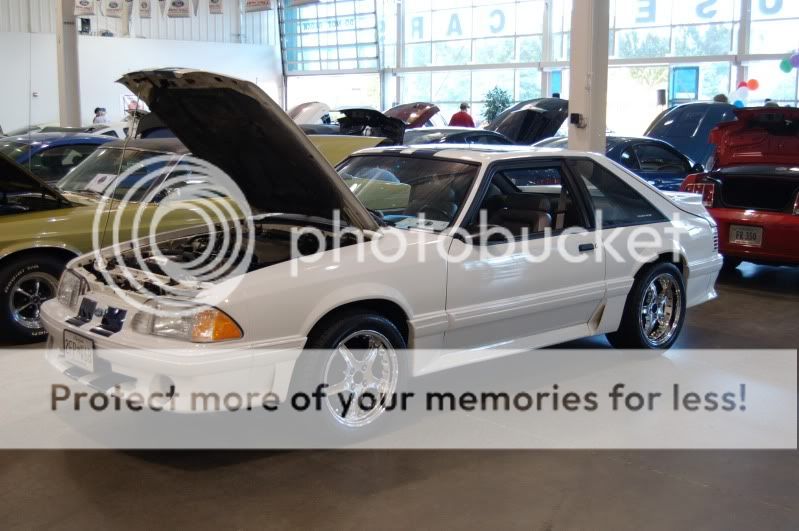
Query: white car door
[(545, 285)]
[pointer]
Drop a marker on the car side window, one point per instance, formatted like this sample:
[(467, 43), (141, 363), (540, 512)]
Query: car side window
[(656, 158), (526, 201), (628, 160), (613, 200), (53, 163)]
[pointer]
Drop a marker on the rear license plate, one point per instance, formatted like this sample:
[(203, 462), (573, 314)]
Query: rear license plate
[(745, 235), (79, 350)]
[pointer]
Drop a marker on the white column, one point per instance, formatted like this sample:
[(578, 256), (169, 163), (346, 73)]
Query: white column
[(68, 73), (589, 74)]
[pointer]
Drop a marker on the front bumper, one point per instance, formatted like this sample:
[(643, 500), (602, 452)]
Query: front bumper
[(135, 366)]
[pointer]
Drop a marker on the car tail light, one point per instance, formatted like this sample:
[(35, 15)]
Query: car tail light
[(699, 184)]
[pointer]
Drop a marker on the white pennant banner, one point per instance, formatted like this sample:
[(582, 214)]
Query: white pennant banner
[(162, 6), (84, 8)]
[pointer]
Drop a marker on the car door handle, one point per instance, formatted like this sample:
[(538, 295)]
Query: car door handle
[(586, 247)]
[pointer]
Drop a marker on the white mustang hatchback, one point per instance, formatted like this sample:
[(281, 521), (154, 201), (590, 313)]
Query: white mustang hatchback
[(450, 255)]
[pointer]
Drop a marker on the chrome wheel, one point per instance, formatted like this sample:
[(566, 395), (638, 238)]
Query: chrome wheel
[(362, 371), (661, 309), (27, 295)]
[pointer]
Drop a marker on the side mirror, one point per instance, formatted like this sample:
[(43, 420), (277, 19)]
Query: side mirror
[(698, 168)]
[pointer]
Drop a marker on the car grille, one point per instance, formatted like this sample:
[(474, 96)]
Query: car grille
[(758, 193)]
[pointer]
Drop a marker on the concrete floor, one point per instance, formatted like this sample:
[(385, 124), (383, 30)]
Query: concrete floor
[(757, 307)]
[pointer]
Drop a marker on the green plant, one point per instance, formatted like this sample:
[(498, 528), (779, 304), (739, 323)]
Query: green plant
[(496, 101)]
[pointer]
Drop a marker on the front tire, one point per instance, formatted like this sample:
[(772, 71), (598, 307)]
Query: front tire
[(359, 356), (655, 310), (26, 282)]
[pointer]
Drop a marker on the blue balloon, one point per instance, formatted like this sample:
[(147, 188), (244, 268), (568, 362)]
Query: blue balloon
[(739, 104)]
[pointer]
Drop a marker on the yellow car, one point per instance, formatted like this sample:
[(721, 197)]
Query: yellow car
[(42, 227)]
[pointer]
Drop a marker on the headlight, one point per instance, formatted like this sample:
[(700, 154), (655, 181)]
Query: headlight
[(202, 325), (70, 289)]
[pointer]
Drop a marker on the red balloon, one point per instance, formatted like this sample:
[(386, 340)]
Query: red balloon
[(753, 84), (742, 84)]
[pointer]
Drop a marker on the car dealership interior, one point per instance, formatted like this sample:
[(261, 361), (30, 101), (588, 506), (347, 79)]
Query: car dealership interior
[(294, 264)]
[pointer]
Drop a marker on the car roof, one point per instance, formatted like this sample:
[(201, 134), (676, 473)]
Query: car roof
[(448, 130), (164, 145), (472, 153), (54, 139)]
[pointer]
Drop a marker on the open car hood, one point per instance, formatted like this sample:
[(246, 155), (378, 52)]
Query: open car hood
[(16, 179), (355, 121), (413, 114), (529, 121), (233, 124), (759, 136), (312, 112)]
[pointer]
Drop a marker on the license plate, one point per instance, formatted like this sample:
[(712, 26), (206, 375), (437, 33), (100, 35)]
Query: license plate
[(79, 350), (745, 235)]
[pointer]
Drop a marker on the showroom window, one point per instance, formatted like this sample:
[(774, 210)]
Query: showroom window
[(332, 35)]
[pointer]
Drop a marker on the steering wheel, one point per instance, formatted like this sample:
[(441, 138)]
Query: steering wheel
[(433, 209)]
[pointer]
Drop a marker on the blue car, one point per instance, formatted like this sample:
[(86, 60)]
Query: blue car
[(653, 160), (687, 127), (50, 156)]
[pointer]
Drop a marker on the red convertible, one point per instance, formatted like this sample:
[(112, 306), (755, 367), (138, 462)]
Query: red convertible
[(752, 189)]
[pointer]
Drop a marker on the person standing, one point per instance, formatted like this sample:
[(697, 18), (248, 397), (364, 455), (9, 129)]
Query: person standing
[(100, 116), (462, 118)]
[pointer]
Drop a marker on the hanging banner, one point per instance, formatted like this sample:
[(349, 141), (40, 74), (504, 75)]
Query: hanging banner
[(196, 7), (162, 6), (253, 6), (128, 7), (179, 9), (113, 8), (216, 7), (145, 9), (296, 3), (84, 8)]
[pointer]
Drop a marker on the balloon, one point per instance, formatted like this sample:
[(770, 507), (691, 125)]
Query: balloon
[(795, 60), (753, 84), (740, 94), (786, 66), (742, 84), (739, 104)]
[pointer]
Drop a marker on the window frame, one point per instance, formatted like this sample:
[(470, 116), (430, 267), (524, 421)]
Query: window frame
[(495, 167), (660, 218)]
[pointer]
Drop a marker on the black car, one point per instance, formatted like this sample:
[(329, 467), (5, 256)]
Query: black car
[(455, 135), (653, 160)]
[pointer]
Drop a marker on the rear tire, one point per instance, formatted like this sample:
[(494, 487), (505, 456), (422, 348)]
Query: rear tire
[(655, 310), (356, 353), (25, 283)]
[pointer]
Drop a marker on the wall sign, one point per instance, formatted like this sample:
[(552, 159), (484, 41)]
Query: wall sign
[(216, 7), (253, 6), (84, 8), (179, 9), (145, 9)]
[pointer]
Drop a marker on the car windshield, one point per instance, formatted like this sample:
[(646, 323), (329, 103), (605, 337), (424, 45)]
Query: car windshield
[(410, 192), (13, 150), (114, 172)]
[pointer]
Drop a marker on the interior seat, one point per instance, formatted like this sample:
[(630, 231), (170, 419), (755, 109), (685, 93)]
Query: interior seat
[(523, 211)]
